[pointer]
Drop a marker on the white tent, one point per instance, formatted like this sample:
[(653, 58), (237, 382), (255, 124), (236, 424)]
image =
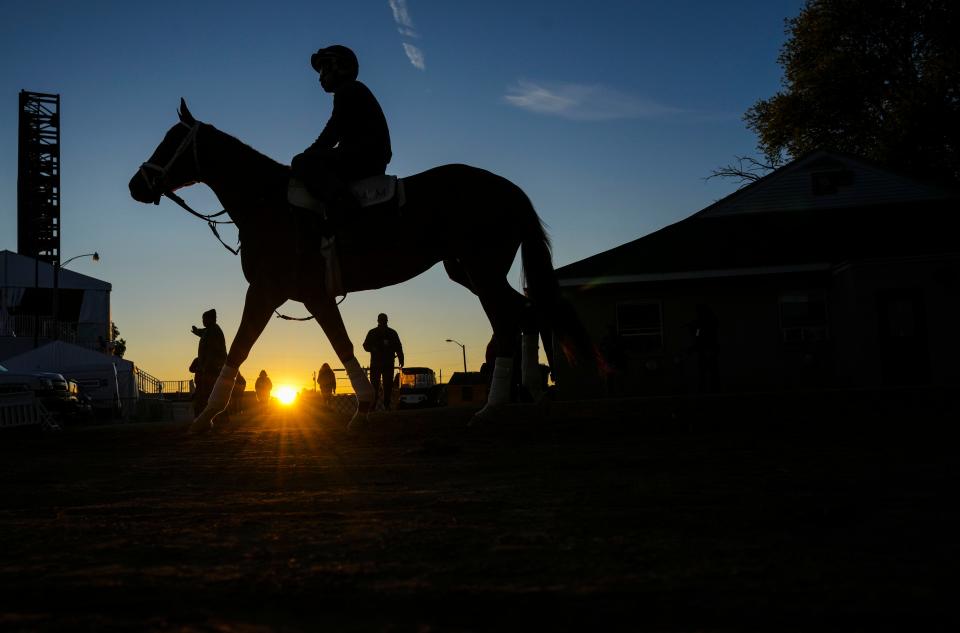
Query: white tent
[(106, 379)]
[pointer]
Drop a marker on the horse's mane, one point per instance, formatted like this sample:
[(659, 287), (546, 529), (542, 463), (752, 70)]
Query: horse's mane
[(245, 161)]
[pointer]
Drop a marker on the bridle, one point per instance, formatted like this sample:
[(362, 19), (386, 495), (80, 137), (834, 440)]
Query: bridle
[(159, 183), (158, 186)]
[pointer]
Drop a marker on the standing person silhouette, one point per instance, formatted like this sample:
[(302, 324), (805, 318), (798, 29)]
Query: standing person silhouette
[(211, 355), (383, 343), (327, 382), (263, 387), (354, 144)]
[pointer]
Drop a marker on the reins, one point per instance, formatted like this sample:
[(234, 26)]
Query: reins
[(208, 218), (191, 140)]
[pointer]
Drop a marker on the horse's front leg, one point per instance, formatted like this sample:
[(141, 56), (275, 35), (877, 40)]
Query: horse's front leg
[(262, 299), (325, 311)]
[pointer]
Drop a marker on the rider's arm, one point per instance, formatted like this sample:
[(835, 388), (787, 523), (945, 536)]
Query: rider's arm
[(332, 131)]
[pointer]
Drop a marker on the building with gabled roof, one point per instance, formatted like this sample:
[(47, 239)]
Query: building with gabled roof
[(828, 272)]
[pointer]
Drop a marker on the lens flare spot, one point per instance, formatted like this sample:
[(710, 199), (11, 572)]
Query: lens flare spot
[(286, 394)]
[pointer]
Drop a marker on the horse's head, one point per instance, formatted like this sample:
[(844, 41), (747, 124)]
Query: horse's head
[(173, 164)]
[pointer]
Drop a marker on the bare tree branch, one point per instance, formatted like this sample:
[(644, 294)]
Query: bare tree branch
[(747, 169)]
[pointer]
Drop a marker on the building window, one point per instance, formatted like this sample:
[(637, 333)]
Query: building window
[(803, 317), (642, 323), (827, 183)]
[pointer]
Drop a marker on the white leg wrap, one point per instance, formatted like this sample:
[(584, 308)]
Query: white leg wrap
[(358, 380), (500, 384), (220, 394), (530, 365), (499, 389)]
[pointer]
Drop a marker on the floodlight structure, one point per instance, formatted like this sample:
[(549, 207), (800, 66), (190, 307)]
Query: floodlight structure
[(38, 177)]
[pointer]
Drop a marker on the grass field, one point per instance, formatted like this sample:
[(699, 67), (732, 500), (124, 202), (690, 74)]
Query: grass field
[(702, 516)]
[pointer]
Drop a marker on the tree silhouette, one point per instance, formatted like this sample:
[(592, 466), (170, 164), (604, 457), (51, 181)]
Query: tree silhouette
[(875, 78), (119, 344)]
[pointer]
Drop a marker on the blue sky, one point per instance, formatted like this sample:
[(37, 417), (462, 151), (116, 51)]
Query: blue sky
[(609, 114)]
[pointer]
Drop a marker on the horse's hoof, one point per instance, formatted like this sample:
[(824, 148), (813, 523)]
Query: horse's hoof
[(360, 418), (203, 423), (356, 422), (485, 416), (199, 427)]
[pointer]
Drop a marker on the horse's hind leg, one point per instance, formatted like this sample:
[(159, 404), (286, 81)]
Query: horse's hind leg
[(503, 306), (324, 310), (515, 314), (532, 379)]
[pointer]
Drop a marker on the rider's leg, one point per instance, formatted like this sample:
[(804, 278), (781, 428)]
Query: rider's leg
[(311, 168), (327, 173)]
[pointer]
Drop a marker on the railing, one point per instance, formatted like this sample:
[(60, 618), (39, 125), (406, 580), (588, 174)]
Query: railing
[(24, 325), (23, 409), (152, 387)]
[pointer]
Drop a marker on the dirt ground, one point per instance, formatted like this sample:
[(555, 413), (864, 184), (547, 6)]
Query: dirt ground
[(637, 515)]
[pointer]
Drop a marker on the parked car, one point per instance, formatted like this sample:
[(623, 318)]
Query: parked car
[(52, 390), (78, 408), (418, 388)]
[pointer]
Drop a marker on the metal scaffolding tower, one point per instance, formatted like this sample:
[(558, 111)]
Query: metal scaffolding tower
[(38, 177)]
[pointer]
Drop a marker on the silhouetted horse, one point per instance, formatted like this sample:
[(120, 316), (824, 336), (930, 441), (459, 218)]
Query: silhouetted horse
[(470, 219)]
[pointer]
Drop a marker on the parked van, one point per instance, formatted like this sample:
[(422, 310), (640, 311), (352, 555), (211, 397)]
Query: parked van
[(100, 384), (418, 388)]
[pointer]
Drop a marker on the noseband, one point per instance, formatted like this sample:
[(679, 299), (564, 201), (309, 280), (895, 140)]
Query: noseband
[(158, 185), (160, 182)]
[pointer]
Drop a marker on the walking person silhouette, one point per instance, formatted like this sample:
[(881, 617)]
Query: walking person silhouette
[(383, 343)]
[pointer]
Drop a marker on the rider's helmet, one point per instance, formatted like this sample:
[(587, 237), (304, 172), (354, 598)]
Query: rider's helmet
[(336, 64)]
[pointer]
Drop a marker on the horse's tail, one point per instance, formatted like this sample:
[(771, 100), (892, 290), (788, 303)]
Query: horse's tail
[(556, 318)]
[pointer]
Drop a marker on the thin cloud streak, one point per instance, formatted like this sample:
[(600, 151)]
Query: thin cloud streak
[(415, 55), (401, 15), (583, 102)]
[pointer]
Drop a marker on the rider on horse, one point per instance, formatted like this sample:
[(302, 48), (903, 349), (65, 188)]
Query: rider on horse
[(355, 143)]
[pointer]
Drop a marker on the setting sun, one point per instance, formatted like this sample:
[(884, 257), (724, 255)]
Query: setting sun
[(286, 394)]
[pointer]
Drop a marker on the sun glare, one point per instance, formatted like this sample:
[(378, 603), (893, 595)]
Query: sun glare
[(286, 394)]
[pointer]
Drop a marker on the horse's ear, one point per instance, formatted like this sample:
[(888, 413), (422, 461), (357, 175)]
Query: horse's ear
[(184, 112)]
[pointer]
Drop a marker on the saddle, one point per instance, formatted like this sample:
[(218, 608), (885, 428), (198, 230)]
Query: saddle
[(369, 192)]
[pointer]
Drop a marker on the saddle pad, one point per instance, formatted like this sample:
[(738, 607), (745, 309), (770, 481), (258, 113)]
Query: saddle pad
[(368, 192)]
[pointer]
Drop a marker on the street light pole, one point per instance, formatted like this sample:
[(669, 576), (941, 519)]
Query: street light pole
[(463, 348), (36, 307), (56, 289)]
